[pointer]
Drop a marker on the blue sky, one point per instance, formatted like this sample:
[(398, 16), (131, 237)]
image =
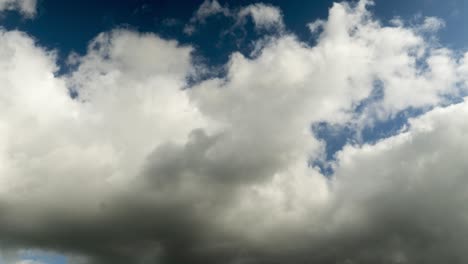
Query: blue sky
[(162, 132)]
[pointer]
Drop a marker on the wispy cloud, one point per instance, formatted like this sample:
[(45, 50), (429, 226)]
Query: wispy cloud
[(26, 7)]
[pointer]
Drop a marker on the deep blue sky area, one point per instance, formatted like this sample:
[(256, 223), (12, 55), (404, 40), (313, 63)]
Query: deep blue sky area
[(69, 25)]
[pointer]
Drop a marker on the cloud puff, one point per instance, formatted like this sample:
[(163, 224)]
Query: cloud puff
[(432, 24), (26, 7), (141, 166), (264, 16)]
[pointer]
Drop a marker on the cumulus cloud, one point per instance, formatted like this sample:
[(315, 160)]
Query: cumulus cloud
[(142, 167), (26, 7)]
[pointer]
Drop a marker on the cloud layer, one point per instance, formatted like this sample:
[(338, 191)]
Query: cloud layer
[(141, 166)]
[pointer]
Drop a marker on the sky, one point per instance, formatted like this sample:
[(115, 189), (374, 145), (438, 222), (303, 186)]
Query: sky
[(233, 132)]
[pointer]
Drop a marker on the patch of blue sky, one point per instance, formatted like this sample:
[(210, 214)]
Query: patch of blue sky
[(43, 257)]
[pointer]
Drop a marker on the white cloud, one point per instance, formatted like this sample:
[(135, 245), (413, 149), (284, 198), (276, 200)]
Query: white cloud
[(26, 7), (316, 25), (207, 8), (141, 167), (432, 24), (264, 16)]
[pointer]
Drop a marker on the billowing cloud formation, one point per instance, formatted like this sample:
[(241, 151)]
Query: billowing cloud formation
[(141, 167), (26, 7)]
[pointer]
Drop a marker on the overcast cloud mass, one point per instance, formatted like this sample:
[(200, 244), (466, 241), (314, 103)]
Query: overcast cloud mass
[(142, 165)]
